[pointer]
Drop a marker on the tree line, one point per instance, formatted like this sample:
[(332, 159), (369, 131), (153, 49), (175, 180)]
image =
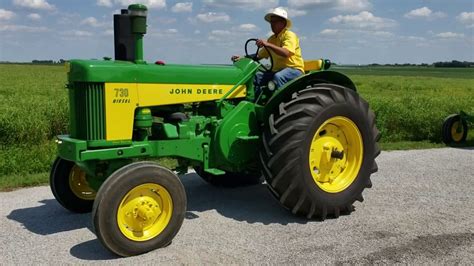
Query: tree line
[(454, 63)]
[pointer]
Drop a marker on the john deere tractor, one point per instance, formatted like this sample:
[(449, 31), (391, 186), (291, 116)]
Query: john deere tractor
[(314, 140)]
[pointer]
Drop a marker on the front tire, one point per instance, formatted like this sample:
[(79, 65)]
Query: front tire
[(69, 186), (139, 208), (319, 151)]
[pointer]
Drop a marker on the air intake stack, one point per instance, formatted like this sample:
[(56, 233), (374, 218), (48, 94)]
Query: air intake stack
[(129, 29)]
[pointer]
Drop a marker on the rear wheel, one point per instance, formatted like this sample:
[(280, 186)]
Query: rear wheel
[(319, 151), (139, 208), (454, 129), (69, 185)]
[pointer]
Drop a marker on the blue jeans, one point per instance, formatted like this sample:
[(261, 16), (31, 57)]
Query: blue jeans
[(279, 78)]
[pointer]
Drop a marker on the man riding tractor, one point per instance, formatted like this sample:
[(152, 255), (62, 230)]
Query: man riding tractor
[(284, 49)]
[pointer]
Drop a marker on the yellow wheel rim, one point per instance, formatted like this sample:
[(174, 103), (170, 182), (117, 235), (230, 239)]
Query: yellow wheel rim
[(144, 212), (79, 185), (336, 154), (457, 131)]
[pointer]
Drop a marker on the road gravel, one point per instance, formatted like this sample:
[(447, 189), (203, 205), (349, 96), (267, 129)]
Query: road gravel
[(419, 211)]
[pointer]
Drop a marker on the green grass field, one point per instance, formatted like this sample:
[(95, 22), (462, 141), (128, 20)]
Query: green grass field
[(410, 104)]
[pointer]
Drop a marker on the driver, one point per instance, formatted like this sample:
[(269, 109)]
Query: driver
[(284, 46)]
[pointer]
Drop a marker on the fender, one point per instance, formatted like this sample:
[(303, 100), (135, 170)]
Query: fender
[(304, 81)]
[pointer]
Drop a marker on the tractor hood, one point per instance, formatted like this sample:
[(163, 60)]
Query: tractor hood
[(129, 72)]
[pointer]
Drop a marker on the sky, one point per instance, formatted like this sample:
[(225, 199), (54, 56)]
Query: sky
[(211, 31)]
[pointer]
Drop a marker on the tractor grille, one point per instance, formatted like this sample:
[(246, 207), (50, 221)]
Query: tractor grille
[(87, 111)]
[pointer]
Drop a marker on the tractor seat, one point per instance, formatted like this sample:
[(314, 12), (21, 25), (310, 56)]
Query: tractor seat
[(316, 65)]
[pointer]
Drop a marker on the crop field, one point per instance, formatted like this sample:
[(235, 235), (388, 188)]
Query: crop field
[(410, 104)]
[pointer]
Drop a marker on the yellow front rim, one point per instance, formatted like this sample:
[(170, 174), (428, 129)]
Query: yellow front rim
[(336, 154), (144, 212), (457, 131), (79, 185)]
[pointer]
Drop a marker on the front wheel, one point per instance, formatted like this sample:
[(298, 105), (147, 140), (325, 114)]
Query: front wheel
[(69, 185), (319, 150), (139, 208)]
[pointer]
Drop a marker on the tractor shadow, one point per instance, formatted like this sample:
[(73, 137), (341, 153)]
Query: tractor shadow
[(50, 218), (252, 204)]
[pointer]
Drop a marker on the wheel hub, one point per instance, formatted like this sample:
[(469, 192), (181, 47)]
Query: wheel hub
[(336, 154), (457, 131), (145, 211), (79, 185)]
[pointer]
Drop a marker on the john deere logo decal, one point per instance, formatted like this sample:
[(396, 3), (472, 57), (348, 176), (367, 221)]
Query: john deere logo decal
[(190, 91)]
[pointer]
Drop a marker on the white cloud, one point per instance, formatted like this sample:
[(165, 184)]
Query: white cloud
[(171, 31), (412, 38), (292, 13), (34, 4), (248, 28), (78, 33), (22, 28), (90, 21), (342, 5), (107, 3), (157, 4), (329, 32), (382, 34), (165, 20), (245, 4), (109, 32), (6, 14), (34, 16), (467, 18), (363, 20), (213, 17), (234, 34), (353, 5), (425, 13), (350, 33), (220, 35), (450, 35), (182, 7), (221, 32)]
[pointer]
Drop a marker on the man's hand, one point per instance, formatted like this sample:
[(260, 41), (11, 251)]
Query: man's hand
[(235, 58), (277, 49), (262, 43)]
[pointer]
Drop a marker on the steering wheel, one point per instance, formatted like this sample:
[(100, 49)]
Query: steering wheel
[(256, 54)]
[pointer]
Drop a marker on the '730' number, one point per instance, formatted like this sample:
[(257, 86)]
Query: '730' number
[(121, 93)]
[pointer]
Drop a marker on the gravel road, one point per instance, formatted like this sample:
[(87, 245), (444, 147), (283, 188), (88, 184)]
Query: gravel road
[(420, 210)]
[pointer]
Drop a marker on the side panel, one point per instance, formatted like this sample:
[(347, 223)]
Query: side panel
[(121, 99)]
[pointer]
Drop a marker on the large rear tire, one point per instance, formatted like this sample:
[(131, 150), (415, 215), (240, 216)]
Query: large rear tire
[(139, 208), (69, 185), (319, 151)]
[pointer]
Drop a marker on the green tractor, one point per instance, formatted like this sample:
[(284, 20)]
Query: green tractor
[(313, 140)]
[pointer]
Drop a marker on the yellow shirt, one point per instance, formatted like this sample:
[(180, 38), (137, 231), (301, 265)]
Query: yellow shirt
[(285, 39)]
